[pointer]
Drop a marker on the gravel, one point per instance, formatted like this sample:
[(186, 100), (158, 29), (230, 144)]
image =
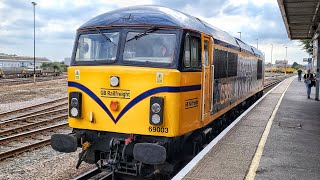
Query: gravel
[(43, 163), (24, 95)]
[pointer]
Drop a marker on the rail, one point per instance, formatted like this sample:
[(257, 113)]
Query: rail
[(16, 81), (24, 148), (95, 174), (28, 117), (31, 125), (41, 105)]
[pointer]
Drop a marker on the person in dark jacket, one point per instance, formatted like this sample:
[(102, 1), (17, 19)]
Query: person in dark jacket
[(309, 80), (299, 74)]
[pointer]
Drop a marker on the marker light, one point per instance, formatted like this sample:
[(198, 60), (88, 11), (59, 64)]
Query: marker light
[(114, 81), (155, 119), (74, 102), (155, 108), (114, 105)]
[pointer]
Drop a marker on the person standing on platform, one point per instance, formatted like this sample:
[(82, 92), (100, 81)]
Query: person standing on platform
[(299, 74), (309, 80)]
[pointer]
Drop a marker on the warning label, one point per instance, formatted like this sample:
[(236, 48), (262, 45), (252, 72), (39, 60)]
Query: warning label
[(159, 78), (77, 74)]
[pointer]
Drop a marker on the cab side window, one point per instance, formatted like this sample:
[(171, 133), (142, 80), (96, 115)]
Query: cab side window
[(187, 52), (259, 69), (220, 63), (192, 52)]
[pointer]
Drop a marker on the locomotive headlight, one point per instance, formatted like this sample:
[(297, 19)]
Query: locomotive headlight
[(74, 112), (75, 102), (155, 119), (114, 81), (156, 110)]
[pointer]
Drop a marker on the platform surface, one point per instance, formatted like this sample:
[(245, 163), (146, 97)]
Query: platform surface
[(292, 150), (289, 153)]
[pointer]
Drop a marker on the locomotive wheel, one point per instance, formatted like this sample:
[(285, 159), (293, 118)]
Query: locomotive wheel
[(231, 116), (216, 128), (161, 177), (224, 123), (145, 170), (221, 124), (148, 172)]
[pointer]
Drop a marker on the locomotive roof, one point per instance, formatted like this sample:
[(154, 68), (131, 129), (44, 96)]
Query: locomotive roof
[(163, 16)]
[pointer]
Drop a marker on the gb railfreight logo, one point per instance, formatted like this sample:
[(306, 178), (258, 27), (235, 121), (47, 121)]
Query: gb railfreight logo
[(115, 93)]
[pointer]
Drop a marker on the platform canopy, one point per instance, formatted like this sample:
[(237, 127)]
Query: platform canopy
[(301, 17)]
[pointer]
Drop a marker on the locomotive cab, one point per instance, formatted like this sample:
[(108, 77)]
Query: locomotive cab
[(125, 91)]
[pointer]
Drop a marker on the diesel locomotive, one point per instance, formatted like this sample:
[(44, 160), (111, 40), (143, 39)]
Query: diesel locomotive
[(147, 85)]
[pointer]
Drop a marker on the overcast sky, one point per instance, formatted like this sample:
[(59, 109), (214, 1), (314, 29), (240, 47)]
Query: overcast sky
[(57, 21)]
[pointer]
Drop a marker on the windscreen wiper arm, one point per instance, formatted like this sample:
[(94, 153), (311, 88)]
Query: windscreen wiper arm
[(153, 29), (107, 38)]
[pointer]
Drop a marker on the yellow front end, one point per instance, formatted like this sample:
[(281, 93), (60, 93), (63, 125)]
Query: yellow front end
[(136, 86)]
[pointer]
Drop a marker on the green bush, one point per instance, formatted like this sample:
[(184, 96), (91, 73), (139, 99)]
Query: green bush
[(59, 66), (296, 66)]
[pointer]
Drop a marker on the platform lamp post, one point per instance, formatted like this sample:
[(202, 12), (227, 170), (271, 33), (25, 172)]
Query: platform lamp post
[(34, 41), (285, 63), (240, 34), (271, 55)]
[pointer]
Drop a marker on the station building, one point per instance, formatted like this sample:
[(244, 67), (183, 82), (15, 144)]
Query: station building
[(282, 63), (14, 61)]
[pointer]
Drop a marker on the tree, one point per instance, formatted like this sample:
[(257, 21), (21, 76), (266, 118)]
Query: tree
[(295, 65), (59, 66), (307, 45)]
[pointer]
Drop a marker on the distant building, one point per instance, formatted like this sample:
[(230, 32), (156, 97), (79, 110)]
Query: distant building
[(281, 63), (14, 61), (268, 65), (67, 61)]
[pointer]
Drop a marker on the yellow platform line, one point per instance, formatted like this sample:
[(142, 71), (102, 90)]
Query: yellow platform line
[(257, 157)]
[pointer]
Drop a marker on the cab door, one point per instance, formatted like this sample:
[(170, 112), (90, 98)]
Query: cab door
[(206, 42)]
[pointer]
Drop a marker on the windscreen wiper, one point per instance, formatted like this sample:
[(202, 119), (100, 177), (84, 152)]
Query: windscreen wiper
[(107, 38), (153, 29)]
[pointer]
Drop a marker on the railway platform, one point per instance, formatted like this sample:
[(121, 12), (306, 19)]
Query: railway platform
[(278, 137)]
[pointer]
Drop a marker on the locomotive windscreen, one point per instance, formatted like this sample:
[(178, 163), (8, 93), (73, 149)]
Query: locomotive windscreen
[(97, 47), (153, 47)]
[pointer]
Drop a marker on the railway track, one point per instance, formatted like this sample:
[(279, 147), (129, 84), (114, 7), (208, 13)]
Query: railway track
[(270, 82), (23, 142), (17, 125), (95, 173), (29, 128), (35, 109), (16, 81)]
